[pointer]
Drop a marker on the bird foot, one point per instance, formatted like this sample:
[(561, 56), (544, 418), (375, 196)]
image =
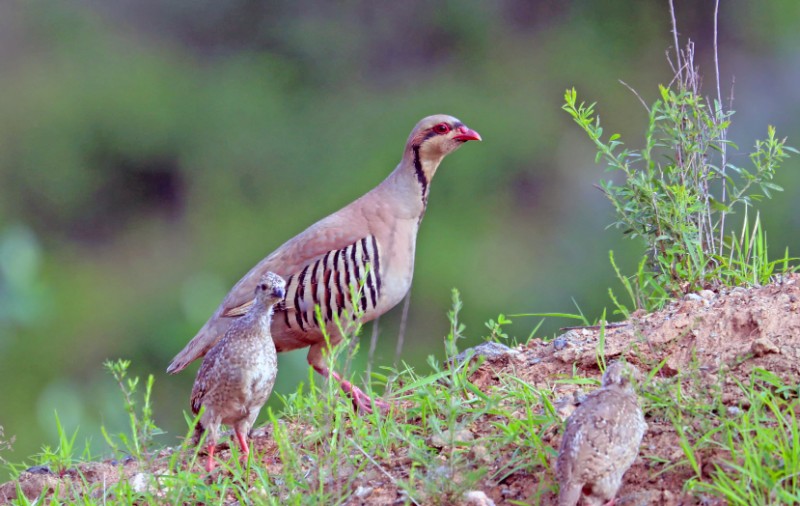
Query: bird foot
[(210, 464), (242, 443), (361, 401)]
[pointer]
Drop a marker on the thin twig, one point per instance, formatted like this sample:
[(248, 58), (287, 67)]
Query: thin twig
[(402, 334), (678, 70), (614, 325), (724, 133), (636, 94), (716, 50), (381, 469), (373, 343)]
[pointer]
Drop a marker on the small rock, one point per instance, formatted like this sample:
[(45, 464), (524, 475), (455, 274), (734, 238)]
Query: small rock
[(763, 346), (734, 411), (140, 483), (707, 294), (489, 349), (692, 297), (259, 492), (362, 491), (477, 498), (559, 343), (39, 470), (447, 437), (443, 472), (480, 453)]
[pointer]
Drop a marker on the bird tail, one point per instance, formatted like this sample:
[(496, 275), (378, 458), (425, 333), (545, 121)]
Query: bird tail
[(569, 495), (205, 339)]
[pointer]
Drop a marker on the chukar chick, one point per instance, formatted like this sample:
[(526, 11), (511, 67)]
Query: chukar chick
[(601, 440), (354, 264), (238, 373)]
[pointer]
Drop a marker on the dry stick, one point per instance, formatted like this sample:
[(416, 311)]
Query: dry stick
[(373, 343), (384, 471), (612, 325), (402, 334), (724, 132), (636, 94), (679, 69)]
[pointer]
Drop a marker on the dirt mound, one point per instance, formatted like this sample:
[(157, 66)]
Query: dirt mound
[(721, 336), (728, 333)]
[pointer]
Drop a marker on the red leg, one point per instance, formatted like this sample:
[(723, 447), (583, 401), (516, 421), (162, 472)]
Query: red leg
[(360, 399), (242, 442), (210, 462)]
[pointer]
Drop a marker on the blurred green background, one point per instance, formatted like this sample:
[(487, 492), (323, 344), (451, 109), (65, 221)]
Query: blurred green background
[(151, 151)]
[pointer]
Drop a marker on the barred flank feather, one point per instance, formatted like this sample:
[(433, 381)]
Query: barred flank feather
[(329, 282)]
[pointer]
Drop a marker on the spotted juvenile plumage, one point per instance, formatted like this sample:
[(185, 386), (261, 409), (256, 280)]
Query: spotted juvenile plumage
[(356, 263), (601, 441), (238, 373)]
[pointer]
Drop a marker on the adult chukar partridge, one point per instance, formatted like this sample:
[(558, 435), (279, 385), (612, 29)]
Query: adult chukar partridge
[(357, 262), (238, 373), (601, 440)]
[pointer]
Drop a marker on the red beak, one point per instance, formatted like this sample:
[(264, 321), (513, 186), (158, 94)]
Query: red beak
[(466, 134)]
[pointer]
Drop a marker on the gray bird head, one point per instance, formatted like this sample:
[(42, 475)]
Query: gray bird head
[(620, 374), (271, 288), (440, 134)]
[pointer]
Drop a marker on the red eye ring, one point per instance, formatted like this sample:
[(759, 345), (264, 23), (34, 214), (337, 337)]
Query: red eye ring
[(441, 128)]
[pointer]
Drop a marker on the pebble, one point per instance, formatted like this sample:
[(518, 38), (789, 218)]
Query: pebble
[(39, 470), (448, 437), (481, 453), (140, 483), (734, 411), (362, 491), (478, 498), (762, 346), (489, 349), (707, 294), (559, 343)]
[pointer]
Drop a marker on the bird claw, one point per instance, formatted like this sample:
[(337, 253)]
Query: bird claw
[(210, 464), (363, 402)]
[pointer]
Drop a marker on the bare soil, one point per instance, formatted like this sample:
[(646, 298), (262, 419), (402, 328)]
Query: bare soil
[(722, 335)]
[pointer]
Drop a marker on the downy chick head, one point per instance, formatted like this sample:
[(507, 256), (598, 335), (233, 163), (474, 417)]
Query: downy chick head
[(620, 374), (270, 289)]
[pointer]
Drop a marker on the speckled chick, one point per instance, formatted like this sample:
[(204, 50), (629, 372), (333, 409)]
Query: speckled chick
[(601, 440), (238, 373)]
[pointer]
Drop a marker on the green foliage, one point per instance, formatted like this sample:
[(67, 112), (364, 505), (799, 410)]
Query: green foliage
[(452, 434), (63, 456), (496, 329), (761, 447), (142, 426), (5, 444), (678, 189), (642, 288)]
